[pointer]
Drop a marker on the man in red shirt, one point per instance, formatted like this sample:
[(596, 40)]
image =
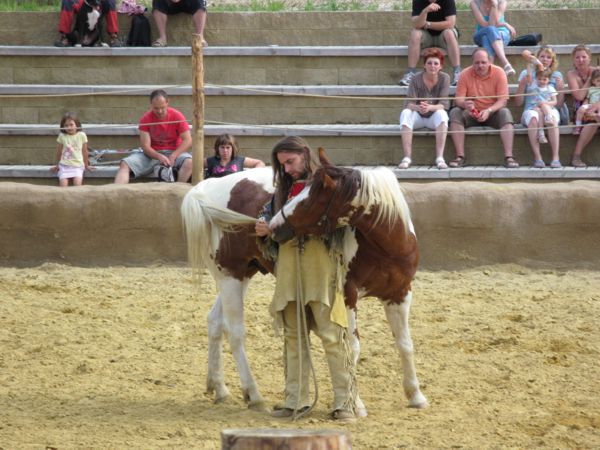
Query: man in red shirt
[(480, 99), (165, 140)]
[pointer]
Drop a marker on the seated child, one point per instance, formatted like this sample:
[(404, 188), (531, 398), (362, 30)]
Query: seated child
[(591, 104)]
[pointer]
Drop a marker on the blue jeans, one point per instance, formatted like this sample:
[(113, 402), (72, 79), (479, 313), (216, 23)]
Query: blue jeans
[(485, 36)]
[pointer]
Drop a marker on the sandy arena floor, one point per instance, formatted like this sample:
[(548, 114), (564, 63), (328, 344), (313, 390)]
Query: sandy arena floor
[(509, 357)]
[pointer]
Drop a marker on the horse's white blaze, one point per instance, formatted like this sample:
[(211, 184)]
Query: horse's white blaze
[(397, 316), (288, 208)]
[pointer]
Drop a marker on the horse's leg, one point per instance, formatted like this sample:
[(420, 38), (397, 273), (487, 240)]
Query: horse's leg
[(361, 410), (397, 316), (232, 293), (215, 379)]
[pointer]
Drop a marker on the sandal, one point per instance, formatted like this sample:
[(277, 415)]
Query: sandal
[(508, 69), (538, 164), (555, 164), (159, 43), (459, 161), (577, 162), (542, 138), (510, 162), (405, 163), (440, 163)]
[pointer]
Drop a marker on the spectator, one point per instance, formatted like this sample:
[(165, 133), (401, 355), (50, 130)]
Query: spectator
[(481, 96), (580, 80), (165, 139), (539, 112), (426, 107), (434, 25), (68, 10), (71, 152), (227, 159), (163, 8), (492, 32), (591, 104)]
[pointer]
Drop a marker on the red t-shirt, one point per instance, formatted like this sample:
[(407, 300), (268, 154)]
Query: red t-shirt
[(165, 135), (296, 188)]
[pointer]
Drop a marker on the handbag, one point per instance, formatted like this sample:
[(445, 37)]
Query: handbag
[(527, 40)]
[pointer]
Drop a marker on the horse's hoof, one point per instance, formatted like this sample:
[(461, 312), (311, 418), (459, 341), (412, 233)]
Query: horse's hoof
[(421, 405), (259, 406), (219, 400)]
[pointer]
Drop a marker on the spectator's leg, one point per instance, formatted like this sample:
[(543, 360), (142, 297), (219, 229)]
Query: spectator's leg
[(587, 133), (65, 22), (452, 47), (507, 134), (532, 134), (414, 48), (110, 11), (160, 18), (199, 19), (554, 138), (441, 131), (185, 172), (457, 129), (122, 176)]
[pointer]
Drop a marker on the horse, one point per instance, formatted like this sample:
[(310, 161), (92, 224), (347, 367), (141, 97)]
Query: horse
[(218, 216)]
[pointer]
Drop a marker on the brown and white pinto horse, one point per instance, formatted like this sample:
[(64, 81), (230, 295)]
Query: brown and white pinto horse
[(385, 262), (219, 215)]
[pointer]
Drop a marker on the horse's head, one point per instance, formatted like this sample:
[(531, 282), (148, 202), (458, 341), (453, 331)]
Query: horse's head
[(321, 207)]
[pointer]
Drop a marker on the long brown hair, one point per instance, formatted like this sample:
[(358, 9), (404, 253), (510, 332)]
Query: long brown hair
[(226, 139), (281, 180)]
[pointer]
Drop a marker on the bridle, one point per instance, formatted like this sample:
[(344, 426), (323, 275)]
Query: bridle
[(324, 219)]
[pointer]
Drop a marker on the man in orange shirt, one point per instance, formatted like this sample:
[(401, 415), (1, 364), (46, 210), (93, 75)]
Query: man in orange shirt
[(480, 99)]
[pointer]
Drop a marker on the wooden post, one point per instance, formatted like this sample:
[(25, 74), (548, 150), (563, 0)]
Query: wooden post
[(272, 438), (198, 99)]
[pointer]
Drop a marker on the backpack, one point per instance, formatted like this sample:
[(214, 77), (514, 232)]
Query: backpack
[(139, 33)]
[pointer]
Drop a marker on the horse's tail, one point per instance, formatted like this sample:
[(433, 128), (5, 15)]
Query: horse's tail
[(204, 223)]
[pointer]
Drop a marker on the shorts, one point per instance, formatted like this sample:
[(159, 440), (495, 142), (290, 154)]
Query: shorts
[(531, 114), (66, 172), (497, 120), (412, 119), (429, 40), (142, 165), (184, 6)]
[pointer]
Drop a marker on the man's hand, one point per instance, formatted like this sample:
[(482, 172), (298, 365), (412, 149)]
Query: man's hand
[(163, 160), (261, 227), (432, 7)]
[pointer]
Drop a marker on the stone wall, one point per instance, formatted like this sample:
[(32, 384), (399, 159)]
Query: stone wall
[(459, 224), (559, 26)]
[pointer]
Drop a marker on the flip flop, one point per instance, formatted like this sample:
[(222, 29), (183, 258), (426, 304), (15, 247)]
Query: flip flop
[(159, 43), (459, 161)]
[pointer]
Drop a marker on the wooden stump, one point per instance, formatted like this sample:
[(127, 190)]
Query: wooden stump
[(271, 439)]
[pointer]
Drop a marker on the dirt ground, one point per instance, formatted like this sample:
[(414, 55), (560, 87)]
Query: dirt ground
[(508, 356)]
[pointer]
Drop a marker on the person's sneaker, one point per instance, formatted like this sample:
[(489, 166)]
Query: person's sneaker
[(542, 138), (62, 42), (114, 41), (283, 412), (405, 81), (456, 77)]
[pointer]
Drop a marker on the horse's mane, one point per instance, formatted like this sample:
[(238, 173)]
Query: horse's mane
[(369, 188)]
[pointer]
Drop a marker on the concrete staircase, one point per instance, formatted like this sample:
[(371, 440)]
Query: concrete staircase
[(342, 97)]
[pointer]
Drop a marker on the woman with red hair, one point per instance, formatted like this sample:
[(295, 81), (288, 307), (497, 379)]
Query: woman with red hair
[(426, 107)]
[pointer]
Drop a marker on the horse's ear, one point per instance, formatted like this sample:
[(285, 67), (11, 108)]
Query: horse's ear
[(323, 157), (328, 182)]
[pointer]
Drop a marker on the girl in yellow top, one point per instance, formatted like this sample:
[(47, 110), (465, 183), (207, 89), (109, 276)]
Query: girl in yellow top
[(71, 152)]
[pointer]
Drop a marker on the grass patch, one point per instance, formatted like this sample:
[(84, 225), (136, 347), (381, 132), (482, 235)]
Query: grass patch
[(310, 5)]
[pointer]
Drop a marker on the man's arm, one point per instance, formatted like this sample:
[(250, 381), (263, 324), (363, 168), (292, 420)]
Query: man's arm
[(186, 144), (449, 23), (420, 21), (146, 144)]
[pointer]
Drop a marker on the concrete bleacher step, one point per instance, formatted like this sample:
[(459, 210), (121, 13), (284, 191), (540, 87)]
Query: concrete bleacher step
[(346, 144), (299, 65), (415, 173), (259, 104)]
